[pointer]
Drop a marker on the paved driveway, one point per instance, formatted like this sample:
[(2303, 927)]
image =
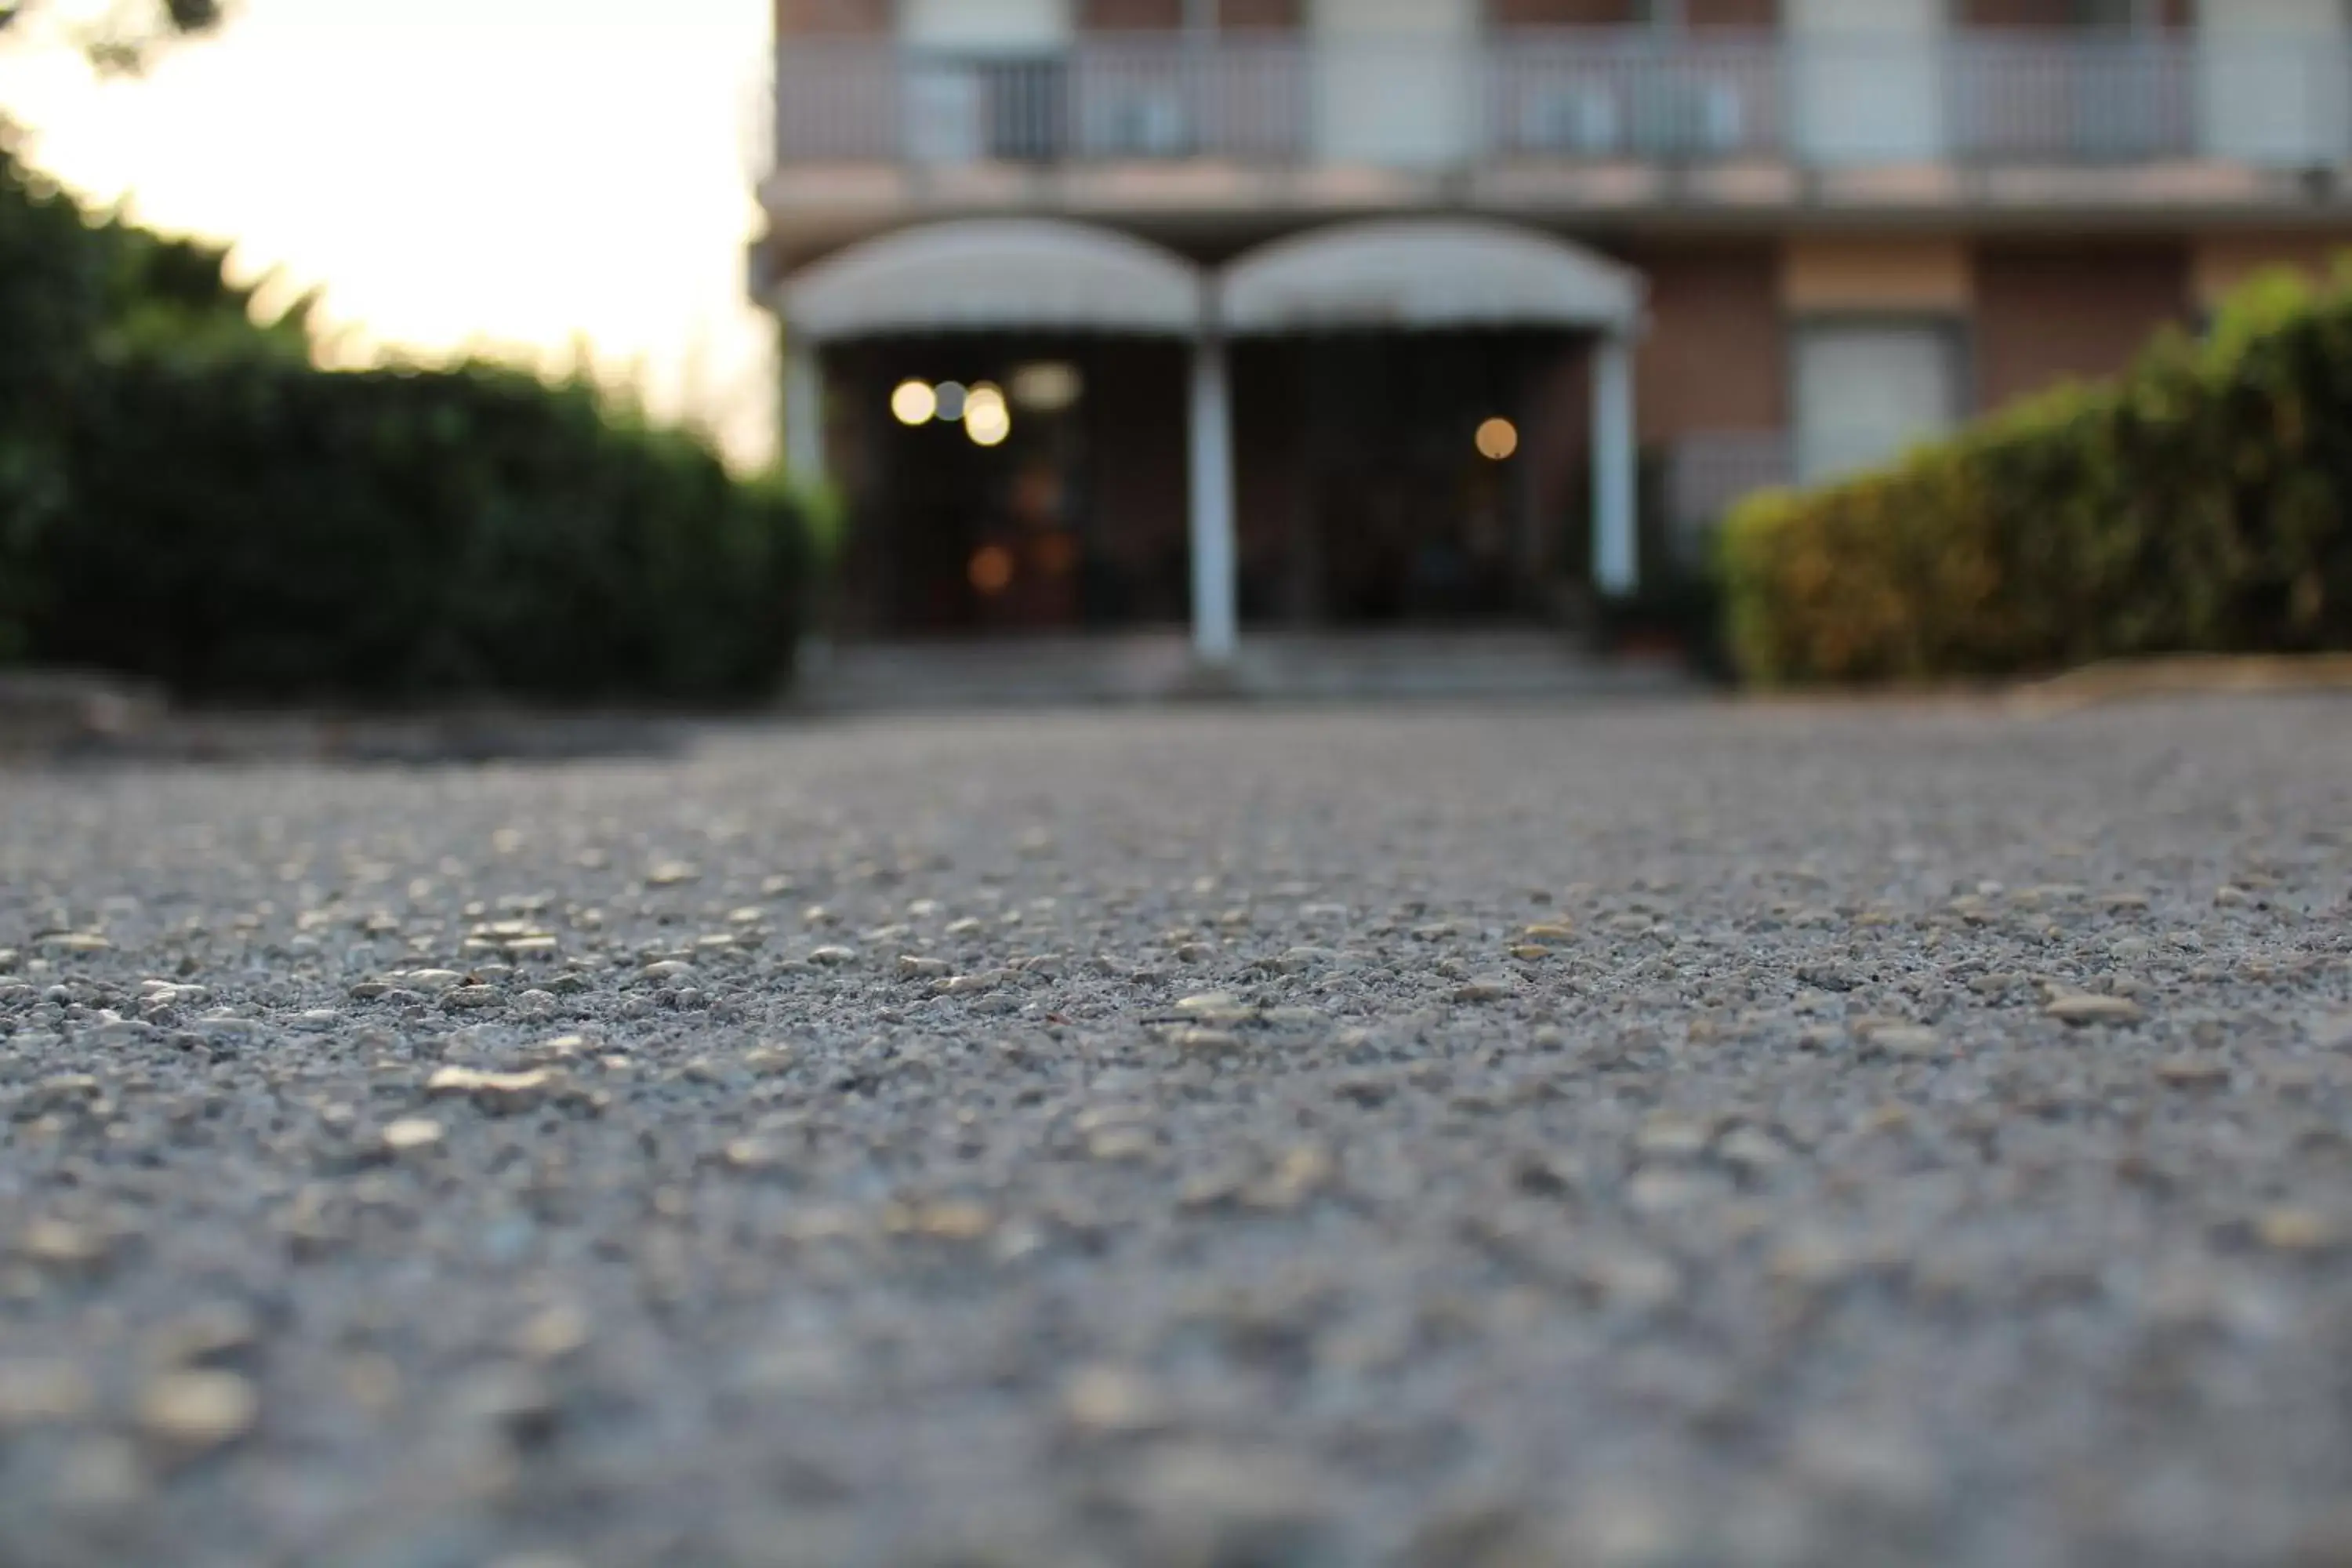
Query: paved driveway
[(1588, 1135)]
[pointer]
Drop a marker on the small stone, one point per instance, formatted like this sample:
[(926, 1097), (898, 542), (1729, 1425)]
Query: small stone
[(1548, 933), (472, 996), (750, 1155), (500, 1093), (1210, 1004), (671, 873), (431, 982), (58, 1244), (33, 1391), (1827, 976), (1908, 1041), (947, 1221), (1666, 1136), (1814, 1260), (911, 967), (1115, 1145), (203, 1336), (2081, 1011), (1199, 1041), (1752, 1150), (73, 941), (1207, 1503), (672, 972), (554, 1334), (193, 1412), (1485, 989), (411, 1135), (1630, 1277), (833, 956), (1867, 1465), (2193, 1072), (2299, 1230), (1113, 1402)]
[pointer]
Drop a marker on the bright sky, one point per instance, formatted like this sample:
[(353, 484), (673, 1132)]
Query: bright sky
[(508, 175)]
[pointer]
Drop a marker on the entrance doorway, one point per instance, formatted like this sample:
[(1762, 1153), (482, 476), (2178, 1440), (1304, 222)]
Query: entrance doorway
[(1070, 515), (1415, 500)]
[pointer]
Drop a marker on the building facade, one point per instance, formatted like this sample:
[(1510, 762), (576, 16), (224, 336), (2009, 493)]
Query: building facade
[(1332, 313)]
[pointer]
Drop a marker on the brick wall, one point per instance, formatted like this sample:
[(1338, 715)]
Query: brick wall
[(2051, 13), (1714, 357), (2047, 312), (833, 17)]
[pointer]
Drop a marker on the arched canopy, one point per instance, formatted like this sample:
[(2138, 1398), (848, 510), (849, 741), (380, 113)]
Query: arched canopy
[(1427, 273), (996, 275)]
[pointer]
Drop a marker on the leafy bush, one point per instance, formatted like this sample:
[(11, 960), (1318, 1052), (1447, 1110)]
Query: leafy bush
[(2196, 504), (185, 498)]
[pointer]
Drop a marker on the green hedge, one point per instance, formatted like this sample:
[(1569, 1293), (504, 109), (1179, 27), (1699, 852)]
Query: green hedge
[(2196, 504), (185, 498)]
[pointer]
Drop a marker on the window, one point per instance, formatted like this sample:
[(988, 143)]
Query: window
[(1865, 390)]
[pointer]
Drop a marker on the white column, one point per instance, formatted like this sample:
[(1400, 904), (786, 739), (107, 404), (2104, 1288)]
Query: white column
[(803, 410), (1616, 563), (1213, 619)]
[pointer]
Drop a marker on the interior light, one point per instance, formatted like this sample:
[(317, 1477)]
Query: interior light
[(1497, 440), (991, 570), (1047, 387), (987, 424), (950, 396), (914, 403)]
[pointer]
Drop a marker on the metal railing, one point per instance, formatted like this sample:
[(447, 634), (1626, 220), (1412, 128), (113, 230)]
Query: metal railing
[(1571, 95)]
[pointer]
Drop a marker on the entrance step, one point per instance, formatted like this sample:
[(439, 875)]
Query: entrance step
[(1281, 666)]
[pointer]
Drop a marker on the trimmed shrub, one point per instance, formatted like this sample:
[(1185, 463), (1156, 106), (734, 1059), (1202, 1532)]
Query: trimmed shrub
[(249, 527), (2196, 504), (185, 498)]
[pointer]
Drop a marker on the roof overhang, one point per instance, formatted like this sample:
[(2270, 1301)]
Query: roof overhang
[(1426, 274), (995, 275)]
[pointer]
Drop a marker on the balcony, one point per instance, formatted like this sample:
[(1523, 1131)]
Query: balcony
[(1569, 97)]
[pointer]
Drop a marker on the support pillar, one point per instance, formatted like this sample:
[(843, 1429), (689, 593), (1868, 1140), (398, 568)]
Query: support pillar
[(1616, 560), (1214, 629), (803, 410)]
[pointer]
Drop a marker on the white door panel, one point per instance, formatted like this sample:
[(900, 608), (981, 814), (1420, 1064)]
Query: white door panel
[(2275, 80), (985, 24), (1867, 82), (1396, 80)]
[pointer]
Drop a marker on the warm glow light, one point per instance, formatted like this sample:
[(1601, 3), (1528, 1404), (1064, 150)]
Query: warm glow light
[(991, 569), (987, 423), (914, 403), (951, 396), (1046, 387), (1497, 440), (983, 396)]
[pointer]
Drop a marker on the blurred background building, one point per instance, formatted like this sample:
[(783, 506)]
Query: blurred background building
[(1325, 313)]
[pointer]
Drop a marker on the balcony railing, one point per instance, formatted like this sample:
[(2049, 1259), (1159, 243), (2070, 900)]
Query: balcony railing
[(1582, 95)]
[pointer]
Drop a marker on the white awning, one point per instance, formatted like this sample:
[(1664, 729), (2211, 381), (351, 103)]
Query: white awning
[(995, 275), (1431, 273)]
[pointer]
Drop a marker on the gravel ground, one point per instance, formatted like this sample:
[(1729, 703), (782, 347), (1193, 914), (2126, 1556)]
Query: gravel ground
[(1542, 1136)]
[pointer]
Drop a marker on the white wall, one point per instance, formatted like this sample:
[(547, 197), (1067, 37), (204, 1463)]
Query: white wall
[(1397, 80), (1867, 86), (985, 24), (2273, 75)]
